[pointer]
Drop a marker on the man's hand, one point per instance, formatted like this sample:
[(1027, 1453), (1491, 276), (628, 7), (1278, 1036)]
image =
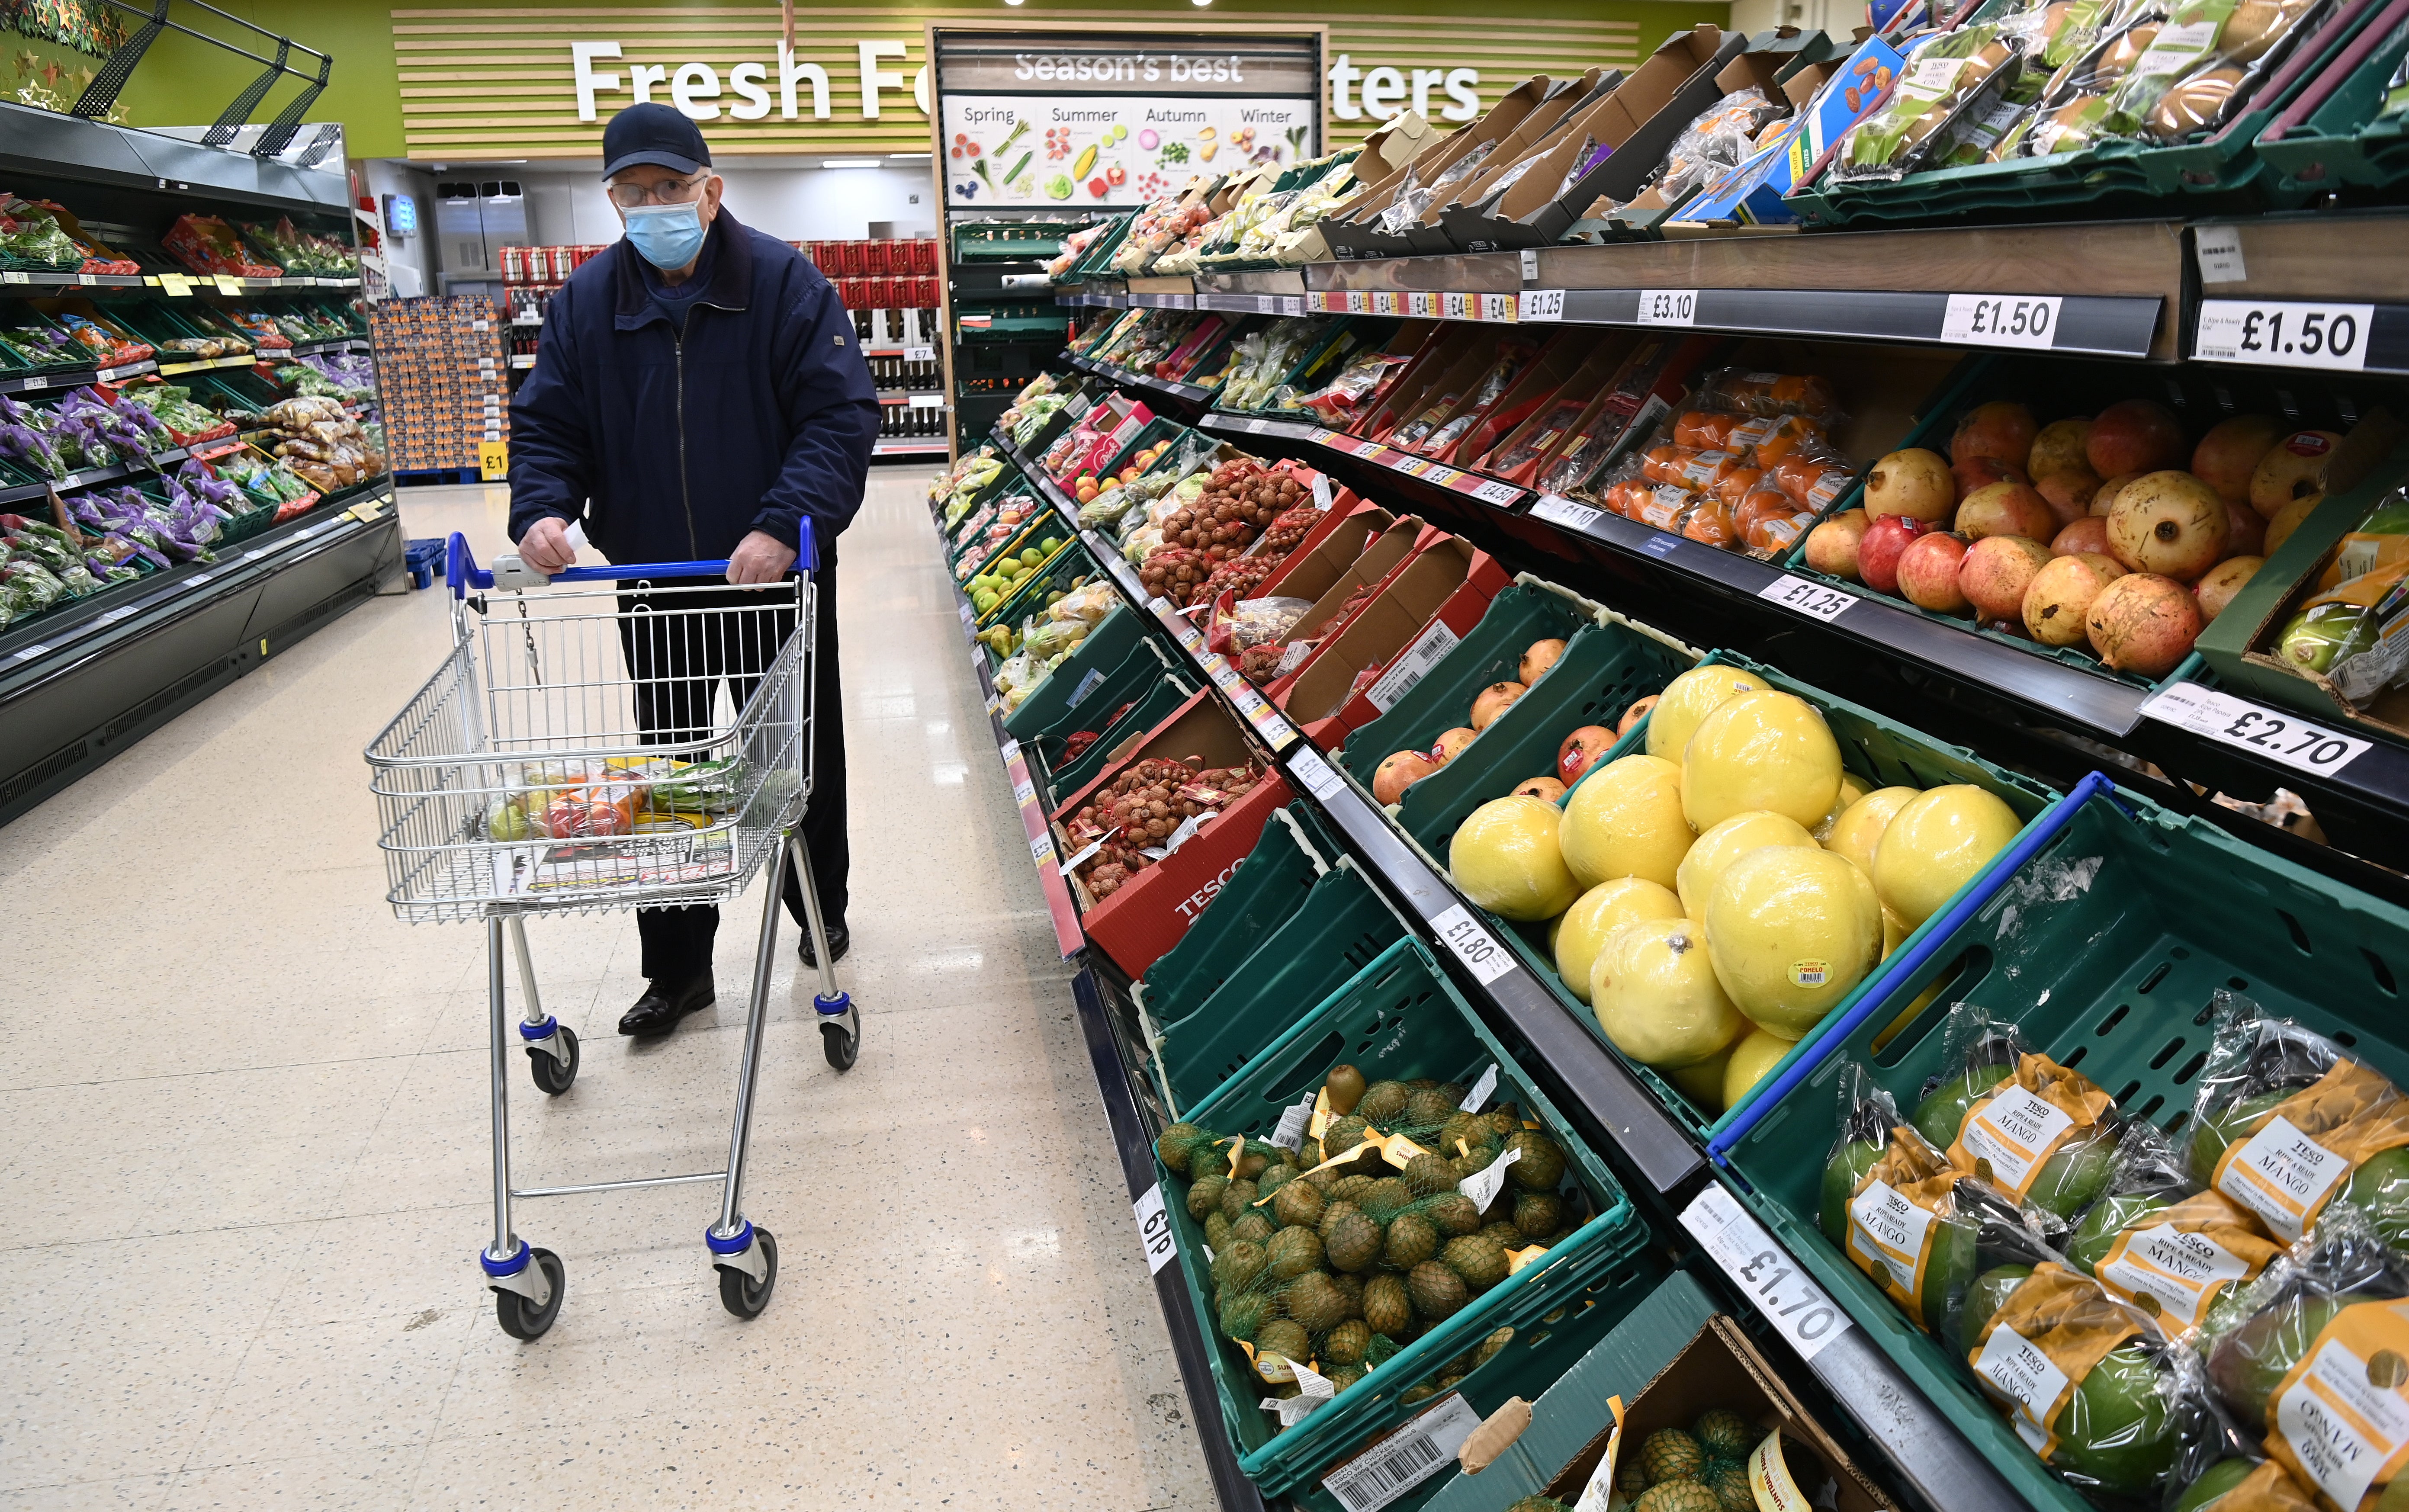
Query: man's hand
[(545, 546), (758, 559)]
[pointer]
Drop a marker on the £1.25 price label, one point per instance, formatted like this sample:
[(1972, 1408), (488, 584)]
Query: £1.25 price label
[(1796, 1307), (1814, 599), (1992, 320), (2277, 334), (1154, 1229), (1473, 944), (1539, 305), (2299, 743)]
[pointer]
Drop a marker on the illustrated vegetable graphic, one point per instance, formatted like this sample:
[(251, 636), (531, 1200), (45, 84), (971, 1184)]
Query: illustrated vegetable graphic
[(1086, 160), (1017, 168), (1009, 138), (1146, 139), (979, 167)]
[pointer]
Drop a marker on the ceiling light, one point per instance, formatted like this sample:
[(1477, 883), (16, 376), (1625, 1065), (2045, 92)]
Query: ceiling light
[(917, 157), (849, 163)]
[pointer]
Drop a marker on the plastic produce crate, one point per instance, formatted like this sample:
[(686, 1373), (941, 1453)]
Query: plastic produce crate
[(1401, 1019), (1069, 562), (1267, 887), (1136, 675), (2106, 946), (1157, 703), (2345, 144), (1114, 638)]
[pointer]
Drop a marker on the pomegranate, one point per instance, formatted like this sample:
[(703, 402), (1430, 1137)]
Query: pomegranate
[(2006, 509), (2143, 622), (2060, 445), (1633, 716), (2002, 429), (2225, 580), (1913, 482), (1996, 571), (1542, 655), (1494, 701), (1399, 770), (1832, 546), (1448, 744), (2134, 436), (2230, 452), (2245, 534), (2289, 469), (2105, 500), (2061, 592), (1545, 788), (2068, 492), (1977, 471), (1584, 745), (2170, 523), (2088, 534), (1928, 573), (1878, 553)]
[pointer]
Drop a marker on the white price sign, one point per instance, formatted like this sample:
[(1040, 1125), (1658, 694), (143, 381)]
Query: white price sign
[(1540, 304), (919, 353), (1423, 305), (1489, 491), (2279, 334), (927, 401), (1474, 945), (1291, 303), (2285, 738), (1317, 775), (1793, 1304), (1041, 850), (1668, 307), (1815, 600), (1024, 792), (1154, 1229), (1988, 320), (1455, 306), (1498, 307), (1564, 512)]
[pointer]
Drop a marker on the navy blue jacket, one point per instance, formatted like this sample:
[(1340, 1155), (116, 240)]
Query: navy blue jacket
[(673, 450)]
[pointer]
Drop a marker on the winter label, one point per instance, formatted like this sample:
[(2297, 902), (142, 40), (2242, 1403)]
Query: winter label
[(2343, 1426), (2019, 1370), (2176, 1267), (1887, 1233), (2015, 1131), (2280, 1174)]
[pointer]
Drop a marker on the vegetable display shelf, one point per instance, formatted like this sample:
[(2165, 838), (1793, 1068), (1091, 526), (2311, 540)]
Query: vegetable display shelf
[(72, 378), (1924, 1448), (91, 477)]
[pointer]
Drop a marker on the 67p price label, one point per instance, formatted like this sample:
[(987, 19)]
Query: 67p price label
[(2284, 738), (1790, 1300), (2271, 334), (1815, 600)]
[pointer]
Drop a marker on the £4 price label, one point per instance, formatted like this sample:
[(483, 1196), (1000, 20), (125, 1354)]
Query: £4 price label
[(1473, 944), (1815, 600)]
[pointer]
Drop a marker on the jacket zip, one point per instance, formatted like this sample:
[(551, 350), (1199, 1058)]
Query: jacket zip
[(685, 489)]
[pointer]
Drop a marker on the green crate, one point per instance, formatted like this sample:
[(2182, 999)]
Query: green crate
[(1125, 680), (2343, 144), (1529, 610), (1097, 261), (1049, 704), (1263, 893), (2114, 981), (1157, 703), (1342, 925), (1069, 563), (1334, 343), (2119, 175), (1400, 1017)]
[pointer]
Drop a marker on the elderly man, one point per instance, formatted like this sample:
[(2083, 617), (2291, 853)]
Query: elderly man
[(697, 394)]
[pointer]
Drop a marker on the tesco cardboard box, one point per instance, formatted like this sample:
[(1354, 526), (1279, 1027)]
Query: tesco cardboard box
[(1345, 591), (1419, 615), (1151, 910)]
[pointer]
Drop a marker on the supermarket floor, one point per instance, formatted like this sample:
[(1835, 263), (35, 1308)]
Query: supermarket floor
[(247, 1167)]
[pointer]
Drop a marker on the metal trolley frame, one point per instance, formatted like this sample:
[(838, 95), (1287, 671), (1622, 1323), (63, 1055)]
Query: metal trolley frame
[(568, 695)]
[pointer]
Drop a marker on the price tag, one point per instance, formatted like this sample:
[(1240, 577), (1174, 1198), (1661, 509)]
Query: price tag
[(2219, 249), (1024, 792), (1498, 307), (113, 616), (1041, 850), (1478, 1097), (927, 401), (1668, 307), (1489, 491), (1291, 1133), (1291, 303), (1793, 1304), (1481, 1186), (30, 384), (919, 353), (2002, 320), (1424, 304), (1358, 302), (177, 285), (1661, 544), (14, 278), (1317, 776), (1423, 1448), (72, 479), (86, 280), (2283, 334), (2285, 738), (1384, 302), (1453, 307), (1474, 945), (29, 653), (1815, 600), (1564, 512), (196, 580), (228, 285), (1540, 305), (1153, 1229)]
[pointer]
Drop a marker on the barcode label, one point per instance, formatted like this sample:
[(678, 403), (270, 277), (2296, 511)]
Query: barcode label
[(1404, 1459), (1317, 775), (1412, 665), (1291, 1133)]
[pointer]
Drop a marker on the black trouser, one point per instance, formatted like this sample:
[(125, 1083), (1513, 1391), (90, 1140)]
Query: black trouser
[(678, 662)]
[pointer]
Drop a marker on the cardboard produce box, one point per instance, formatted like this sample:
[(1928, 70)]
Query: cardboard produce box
[(1449, 345), (1358, 235), (1331, 548), (1752, 194), (1534, 389), (1381, 559), (1545, 428), (1419, 615), (1149, 912)]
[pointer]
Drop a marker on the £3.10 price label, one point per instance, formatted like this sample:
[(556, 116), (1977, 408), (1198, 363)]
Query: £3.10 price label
[(1473, 944), (1154, 1229), (2282, 334), (1994, 320), (1668, 307), (1790, 1300), (1813, 600), (2285, 738)]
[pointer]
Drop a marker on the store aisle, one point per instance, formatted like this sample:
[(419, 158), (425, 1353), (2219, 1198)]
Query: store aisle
[(245, 1184)]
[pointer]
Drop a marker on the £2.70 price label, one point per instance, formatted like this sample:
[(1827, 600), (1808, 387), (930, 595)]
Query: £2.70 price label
[(1482, 955), (2285, 738), (1154, 1229), (2283, 335), (1814, 599), (1990, 319), (1791, 1302)]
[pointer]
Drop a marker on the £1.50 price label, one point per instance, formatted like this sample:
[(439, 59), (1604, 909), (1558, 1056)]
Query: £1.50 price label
[(1473, 944), (2270, 333), (1790, 1300), (2282, 737), (1989, 320), (1814, 599)]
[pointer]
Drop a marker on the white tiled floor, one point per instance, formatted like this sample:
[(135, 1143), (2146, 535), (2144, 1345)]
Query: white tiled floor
[(246, 1164)]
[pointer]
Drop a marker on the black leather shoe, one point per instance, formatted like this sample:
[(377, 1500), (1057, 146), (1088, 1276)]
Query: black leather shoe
[(662, 1005), (839, 937)]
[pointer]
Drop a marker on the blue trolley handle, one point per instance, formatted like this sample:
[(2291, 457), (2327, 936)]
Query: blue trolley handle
[(2044, 830), (461, 570)]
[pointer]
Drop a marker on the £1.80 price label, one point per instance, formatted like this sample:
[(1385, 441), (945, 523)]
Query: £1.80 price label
[(1482, 955), (2279, 335), (1989, 320), (2285, 738), (1814, 599), (1789, 1299)]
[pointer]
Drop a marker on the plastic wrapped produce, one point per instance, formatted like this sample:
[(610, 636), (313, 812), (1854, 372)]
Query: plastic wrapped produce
[(2154, 1241), (1941, 76), (2040, 1132)]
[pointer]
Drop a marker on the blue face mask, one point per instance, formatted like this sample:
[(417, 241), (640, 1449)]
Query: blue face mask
[(666, 235)]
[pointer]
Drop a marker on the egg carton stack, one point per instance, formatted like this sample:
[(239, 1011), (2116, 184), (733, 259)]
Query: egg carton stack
[(445, 379)]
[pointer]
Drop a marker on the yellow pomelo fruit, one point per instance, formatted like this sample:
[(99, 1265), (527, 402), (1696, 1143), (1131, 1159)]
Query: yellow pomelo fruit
[(1763, 750), (1859, 827), (1935, 844), (1689, 699), (1625, 821), (1752, 1061), (1703, 1084), (1577, 936), (1504, 855), (1655, 995), (1727, 843), (1792, 931), (1895, 932), (1852, 789)]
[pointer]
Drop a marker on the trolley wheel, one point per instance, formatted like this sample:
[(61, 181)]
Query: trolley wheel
[(739, 1292), (840, 1043), (552, 1075), (520, 1317)]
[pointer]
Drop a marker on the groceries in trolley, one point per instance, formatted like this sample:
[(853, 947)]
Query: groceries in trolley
[(590, 800)]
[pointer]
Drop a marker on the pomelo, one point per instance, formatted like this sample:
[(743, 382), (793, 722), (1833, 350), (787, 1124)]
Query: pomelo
[(1764, 750), (1752, 1061), (1655, 995), (1935, 844), (1727, 843), (1860, 827), (1505, 858), (1625, 821), (1689, 699), (1852, 789), (1792, 932), (1577, 936)]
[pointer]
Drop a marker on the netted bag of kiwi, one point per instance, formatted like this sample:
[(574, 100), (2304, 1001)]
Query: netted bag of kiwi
[(2043, 1134), (2284, 1122), (2088, 1383), (1702, 1469), (1892, 1202), (2154, 1241)]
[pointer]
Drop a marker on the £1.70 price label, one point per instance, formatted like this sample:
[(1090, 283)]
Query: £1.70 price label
[(1790, 1300), (1814, 599), (1474, 945), (1991, 320), (2285, 738), (2269, 333)]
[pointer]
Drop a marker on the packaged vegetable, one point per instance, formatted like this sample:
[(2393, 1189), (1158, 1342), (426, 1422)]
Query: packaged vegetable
[(1890, 1201), (1943, 75), (1757, 393), (2156, 1241), (2354, 630), (1715, 141), (2039, 1131)]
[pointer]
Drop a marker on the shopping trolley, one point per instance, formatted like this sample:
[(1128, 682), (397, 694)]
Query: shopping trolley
[(573, 754)]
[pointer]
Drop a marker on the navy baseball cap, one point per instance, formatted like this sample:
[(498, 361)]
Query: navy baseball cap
[(651, 133)]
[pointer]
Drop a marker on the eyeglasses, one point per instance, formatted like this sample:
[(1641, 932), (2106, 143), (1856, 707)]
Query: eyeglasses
[(667, 192)]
